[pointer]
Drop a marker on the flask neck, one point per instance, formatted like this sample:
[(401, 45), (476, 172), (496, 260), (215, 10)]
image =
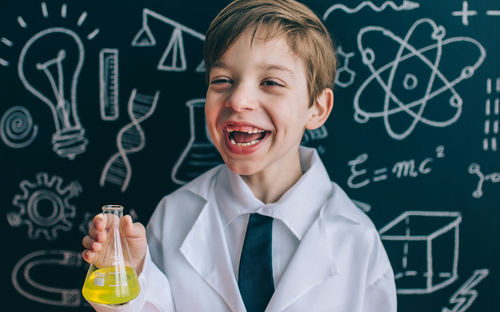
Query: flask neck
[(116, 210)]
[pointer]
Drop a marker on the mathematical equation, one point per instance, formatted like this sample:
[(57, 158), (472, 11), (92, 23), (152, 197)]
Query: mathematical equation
[(360, 177)]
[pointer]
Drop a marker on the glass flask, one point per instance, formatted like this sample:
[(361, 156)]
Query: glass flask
[(200, 154), (111, 278)]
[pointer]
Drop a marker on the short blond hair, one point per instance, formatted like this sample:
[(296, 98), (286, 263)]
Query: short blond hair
[(306, 36)]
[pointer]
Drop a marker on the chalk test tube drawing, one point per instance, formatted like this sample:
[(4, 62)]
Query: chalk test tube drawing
[(175, 52), (492, 113), (494, 177), (44, 206), (423, 250), (54, 263), (130, 139), (405, 92), (405, 6), (108, 84), (465, 296), (16, 127), (345, 75), (200, 154)]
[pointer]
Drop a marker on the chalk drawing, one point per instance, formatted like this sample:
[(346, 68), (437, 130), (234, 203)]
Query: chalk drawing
[(436, 84), (401, 169), (493, 12), (465, 296), (345, 75), (475, 169), (44, 206), (492, 113), (27, 285), (108, 84), (314, 135), (200, 154), (465, 13), (54, 80), (174, 57), (16, 127), (130, 139), (9, 44), (363, 206), (411, 241), (68, 140), (405, 6)]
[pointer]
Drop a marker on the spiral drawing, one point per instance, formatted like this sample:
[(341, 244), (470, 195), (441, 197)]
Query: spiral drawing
[(16, 127)]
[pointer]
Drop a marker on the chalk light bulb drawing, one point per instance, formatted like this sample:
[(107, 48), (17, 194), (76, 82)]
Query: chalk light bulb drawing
[(52, 60)]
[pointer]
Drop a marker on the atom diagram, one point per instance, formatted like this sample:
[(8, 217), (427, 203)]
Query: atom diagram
[(404, 92)]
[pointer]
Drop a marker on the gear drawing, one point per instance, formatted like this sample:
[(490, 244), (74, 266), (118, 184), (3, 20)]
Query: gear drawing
[(44, 206)]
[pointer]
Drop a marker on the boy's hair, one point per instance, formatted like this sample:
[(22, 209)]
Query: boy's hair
[(306, 36)]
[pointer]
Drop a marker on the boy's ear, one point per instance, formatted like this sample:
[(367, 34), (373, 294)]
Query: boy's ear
[(321, 109)]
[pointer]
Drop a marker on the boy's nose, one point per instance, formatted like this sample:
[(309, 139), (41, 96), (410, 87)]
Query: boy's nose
[(242, 99)]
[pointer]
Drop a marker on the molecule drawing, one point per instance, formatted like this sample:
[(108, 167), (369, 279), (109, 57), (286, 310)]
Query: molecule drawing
[(417, 92)]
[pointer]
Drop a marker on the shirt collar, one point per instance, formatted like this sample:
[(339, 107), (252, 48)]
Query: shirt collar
[(297, 208)]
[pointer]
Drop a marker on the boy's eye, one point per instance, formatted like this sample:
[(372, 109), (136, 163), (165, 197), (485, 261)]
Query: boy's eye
[(221, 81), (271, 83)]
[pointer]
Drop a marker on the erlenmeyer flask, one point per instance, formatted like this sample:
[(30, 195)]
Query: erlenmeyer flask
[(200, 154), (111, 278)]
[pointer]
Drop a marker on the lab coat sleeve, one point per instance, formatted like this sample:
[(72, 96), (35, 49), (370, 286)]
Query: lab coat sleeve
[(155, 295), (381, 294)]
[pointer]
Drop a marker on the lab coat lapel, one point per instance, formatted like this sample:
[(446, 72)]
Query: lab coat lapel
[(311, 265), (205, 249)]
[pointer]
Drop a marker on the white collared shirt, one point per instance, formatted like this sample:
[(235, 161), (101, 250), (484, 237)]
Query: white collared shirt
[(293, 213)]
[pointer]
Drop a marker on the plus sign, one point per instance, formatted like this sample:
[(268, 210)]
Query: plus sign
[(465, 13)]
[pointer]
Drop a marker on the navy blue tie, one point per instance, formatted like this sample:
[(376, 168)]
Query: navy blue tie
[(255, 274)]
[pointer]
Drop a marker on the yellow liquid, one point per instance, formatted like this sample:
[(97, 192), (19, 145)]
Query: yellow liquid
[(110, 286)]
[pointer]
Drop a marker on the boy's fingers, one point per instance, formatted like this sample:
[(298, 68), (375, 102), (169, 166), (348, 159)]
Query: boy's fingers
[(131, 229), (88, 256), (91, 244), (98, 235), (99, 222)]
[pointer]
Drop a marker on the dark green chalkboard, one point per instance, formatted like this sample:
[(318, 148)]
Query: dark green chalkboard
[(413, 138)]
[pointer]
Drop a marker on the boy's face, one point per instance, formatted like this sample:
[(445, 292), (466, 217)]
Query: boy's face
[(257, 105)]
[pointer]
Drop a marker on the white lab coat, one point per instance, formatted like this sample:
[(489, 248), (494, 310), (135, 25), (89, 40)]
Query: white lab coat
[(340, 264)]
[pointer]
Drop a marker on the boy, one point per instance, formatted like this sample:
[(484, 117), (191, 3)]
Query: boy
[(268, 230)]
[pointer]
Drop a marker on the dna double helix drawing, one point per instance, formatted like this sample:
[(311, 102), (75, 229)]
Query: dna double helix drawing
[(130, 139)]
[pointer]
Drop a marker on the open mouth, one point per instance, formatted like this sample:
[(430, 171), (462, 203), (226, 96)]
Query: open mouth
[(246, 137)]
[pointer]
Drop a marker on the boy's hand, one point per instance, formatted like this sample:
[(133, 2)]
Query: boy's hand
[(135, 234)]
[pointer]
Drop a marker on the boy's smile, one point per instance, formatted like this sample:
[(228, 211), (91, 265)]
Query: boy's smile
[(257, 108)]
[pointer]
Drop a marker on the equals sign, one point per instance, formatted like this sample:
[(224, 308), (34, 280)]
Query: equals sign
[(379, 175)]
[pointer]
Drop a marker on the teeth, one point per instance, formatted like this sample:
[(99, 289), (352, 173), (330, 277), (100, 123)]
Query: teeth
[(245, 144), (255, 130)]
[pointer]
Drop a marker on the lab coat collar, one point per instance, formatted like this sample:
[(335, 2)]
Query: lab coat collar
[(297, 208), (205, 249)]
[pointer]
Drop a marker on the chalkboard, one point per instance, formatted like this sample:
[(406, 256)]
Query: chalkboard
[(102, 102)]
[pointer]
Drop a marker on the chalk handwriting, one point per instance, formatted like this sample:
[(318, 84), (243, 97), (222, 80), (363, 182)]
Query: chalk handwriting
[(401, 169)]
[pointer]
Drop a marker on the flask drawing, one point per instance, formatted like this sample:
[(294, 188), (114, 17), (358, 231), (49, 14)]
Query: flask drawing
[(111, 278), (200, 154)]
